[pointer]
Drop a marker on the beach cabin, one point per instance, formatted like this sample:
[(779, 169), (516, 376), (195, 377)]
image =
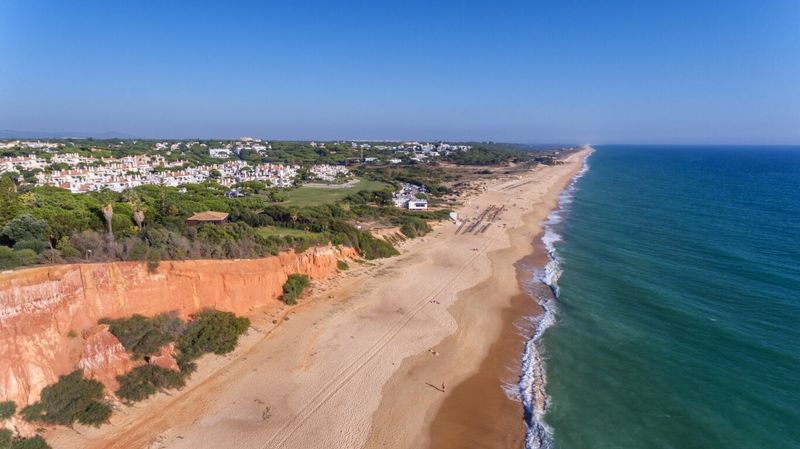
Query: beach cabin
[(417, 204)]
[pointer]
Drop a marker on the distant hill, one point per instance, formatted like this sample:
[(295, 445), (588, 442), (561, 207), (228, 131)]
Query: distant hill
[(16, 134)]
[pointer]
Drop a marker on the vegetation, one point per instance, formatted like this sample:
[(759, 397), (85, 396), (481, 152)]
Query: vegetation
[(342, 265), (47, 224), (8, 441), (367, 245), (143, 336), (489, 154), (208, 331), (280, 231), (432, 178), (143, 382), (413, 227), (71, 399), (294, 287), (7, 409), (212, 331), (7, 438), (15, 258), (314, 196), (297, 239), (148, 224)]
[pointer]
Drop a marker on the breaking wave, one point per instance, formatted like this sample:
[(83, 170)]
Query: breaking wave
[(532, 381)]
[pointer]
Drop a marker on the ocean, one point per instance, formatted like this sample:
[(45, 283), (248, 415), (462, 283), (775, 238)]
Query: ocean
[(677, 318)]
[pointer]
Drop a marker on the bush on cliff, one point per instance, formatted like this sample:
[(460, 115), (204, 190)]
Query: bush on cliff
[(212, 331), (7, 441), (5, 438), (143, 336), (293, 287), (10, 258), (143, 381), (342, 265), (71, 399), (7, 409), (364, 242), (413, 227)]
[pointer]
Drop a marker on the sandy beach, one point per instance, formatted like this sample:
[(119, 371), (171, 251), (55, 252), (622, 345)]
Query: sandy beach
[(404, 352)]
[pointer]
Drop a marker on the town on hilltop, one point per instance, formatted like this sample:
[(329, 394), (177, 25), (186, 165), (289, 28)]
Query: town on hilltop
[(91, 200), (117, 165)]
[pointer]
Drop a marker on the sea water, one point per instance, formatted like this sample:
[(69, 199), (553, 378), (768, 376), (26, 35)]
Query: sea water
[(677, 318)]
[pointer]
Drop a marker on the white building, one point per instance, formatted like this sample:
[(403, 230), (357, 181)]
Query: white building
[(417, 204), (219, 153)]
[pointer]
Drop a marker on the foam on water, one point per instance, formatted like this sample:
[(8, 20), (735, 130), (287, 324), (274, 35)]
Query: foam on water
[(532, 381)]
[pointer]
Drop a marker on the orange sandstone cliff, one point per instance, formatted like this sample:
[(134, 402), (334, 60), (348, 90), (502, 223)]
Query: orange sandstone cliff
[(48, 315)]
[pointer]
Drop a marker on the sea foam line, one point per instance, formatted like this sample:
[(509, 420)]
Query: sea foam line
[(532, 380)]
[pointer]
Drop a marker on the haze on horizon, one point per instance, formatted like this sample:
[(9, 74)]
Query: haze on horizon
[(621, 71)]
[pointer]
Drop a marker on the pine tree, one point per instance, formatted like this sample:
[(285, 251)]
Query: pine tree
[(9, 200)]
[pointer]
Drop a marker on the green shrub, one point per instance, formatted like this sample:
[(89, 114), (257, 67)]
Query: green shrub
[(34, 245), (143, 336), (35, 442), (212, 331), (294, 287), (369, 247), (7, 259), (7, 409), (5, 438), (342, 265), (25, 227), (11, 259), (71, 399), (25, 256), (413, 227), (186, 365), (67, 251), (153, 260), (144, 381)]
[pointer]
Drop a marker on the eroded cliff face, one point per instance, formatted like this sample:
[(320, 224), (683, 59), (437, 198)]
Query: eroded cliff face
[(48, 315)]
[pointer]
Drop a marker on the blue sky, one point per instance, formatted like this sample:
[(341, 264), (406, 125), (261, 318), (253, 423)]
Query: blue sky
[(534, 71)]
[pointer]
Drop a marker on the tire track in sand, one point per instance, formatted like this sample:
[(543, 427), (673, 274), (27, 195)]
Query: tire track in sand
[(344, 375)]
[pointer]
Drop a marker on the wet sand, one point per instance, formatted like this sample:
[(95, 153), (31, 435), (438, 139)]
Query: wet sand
[(478, 413)]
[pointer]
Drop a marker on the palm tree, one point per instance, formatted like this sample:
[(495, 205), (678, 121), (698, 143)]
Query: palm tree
[(136, 203), (138, 217), (108, 214)]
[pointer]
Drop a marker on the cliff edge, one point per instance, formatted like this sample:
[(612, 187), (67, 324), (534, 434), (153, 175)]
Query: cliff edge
[(48, 315)]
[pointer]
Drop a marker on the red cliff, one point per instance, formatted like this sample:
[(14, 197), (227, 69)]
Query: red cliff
[(48, 315)]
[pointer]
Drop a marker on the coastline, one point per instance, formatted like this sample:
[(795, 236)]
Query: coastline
[(355, 367), (483, 409)]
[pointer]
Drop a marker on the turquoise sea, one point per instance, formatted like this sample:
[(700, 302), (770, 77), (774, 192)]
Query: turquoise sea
[(677, 323)]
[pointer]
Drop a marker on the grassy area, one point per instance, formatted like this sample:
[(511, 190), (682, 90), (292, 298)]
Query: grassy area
[(279, 231), (313, 196)]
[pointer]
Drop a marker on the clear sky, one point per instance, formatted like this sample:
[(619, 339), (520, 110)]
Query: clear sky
[(612, 71)]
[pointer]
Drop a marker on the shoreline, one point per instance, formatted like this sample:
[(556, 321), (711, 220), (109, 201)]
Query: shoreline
[(478, 412), (328, 377), (533, 377)]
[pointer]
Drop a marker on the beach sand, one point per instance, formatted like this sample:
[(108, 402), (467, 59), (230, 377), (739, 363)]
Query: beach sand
[(362, 361)]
